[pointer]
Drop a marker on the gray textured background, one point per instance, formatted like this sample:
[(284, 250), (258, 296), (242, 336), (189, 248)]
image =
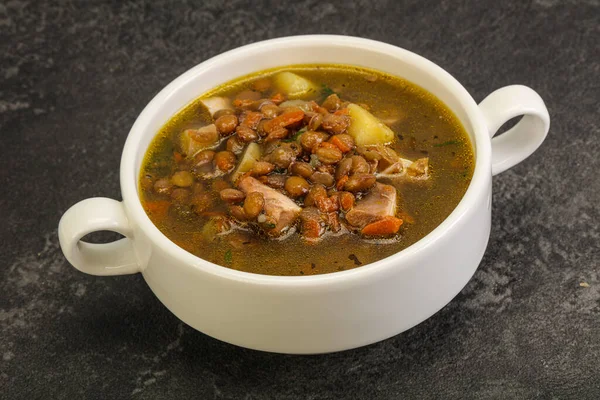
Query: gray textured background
[(75, 74)]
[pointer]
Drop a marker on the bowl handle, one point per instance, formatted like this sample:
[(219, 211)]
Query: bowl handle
[(92, 215), (519, 142)]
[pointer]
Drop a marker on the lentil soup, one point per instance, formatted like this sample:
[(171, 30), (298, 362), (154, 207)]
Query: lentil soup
[(306, 170)]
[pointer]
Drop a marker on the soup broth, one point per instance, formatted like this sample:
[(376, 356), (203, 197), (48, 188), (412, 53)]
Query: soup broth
[(305, 170)]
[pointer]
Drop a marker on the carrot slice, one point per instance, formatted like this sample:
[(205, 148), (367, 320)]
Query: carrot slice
[(277, 98), (327, 204), (242, 102), (340, 144), (342, 182), (252, 119), (283, 120), (157, 209), (311, 229), (385, 226), (343, 111), (318, 109), (177, 156), (346, 200)]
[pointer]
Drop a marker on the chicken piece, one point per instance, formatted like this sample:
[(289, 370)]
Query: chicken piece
[(418, 169), (392, 166), (380, 202), (278, 207), (407, 170), (217, 103)]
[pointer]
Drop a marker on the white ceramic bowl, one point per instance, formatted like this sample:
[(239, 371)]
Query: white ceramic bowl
[(322, 313)]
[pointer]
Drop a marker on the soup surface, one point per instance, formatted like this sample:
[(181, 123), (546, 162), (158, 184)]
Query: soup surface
[(306, 170)]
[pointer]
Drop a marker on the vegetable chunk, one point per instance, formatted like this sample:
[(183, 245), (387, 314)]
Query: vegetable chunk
[(193, 141), (217, 103), (293, 85), (366, 129), (250, 156), (385, 226)]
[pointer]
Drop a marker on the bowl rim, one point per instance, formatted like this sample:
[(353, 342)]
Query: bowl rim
[(481, 173)]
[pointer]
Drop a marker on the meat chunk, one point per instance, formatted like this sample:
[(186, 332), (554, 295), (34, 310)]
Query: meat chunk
[(379, 203), (406, 170), (278, 207), (390, 165), (418, 169)]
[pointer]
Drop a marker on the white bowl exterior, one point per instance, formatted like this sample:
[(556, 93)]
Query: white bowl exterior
[(324, 313)]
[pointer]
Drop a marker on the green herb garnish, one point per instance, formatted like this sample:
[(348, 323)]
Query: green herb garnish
[(326, 91), (228, 257), (270, 225), (448, 143), (296, 135)]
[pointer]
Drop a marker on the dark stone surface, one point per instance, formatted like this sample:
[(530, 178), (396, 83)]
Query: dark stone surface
[(75, 74)]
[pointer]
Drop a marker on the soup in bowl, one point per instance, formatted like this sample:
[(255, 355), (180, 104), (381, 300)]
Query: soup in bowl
[(307, 194), (305, 170)]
